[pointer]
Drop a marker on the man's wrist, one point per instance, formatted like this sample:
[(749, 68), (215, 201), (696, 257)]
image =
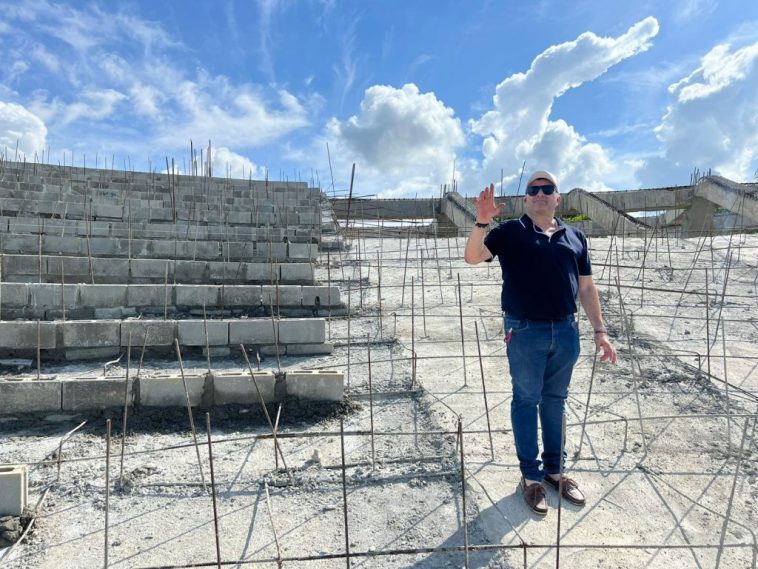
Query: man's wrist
[(602, 330), (481, 224)]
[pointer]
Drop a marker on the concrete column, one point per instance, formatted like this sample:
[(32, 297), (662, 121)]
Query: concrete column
[(698, 219)]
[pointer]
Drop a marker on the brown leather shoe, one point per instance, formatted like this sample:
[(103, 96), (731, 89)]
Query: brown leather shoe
[(534, 496), (570, 491)]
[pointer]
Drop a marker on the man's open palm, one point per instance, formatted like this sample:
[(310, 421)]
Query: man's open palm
[(485, 205)]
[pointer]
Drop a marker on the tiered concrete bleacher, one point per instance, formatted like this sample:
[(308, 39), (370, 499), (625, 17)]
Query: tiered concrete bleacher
[(81, 249)]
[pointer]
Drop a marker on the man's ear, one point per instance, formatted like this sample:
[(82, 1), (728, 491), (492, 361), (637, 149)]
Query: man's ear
[(559, 198)]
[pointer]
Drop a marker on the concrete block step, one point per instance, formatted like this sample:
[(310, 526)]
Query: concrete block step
[(166, 390), (110, 270)]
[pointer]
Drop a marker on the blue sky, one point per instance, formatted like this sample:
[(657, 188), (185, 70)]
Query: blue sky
[(606, 94)]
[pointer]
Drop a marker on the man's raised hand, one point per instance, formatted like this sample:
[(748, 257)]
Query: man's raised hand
[(485, 205)]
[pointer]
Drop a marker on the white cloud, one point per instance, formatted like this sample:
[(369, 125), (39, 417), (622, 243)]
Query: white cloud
[(92, 105), (712, 119), (228, 163), (519, 127), (241, 115), (19, 126), (146, 99), (687, 10), (43, 56), (401, 133)]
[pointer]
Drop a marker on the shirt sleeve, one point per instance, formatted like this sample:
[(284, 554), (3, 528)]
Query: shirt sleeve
[(584, 263), (494, 241)]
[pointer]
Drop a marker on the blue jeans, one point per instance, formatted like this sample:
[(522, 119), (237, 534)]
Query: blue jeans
[(541, 356)]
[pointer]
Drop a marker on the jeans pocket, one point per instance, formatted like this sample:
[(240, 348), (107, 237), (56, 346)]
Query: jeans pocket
[(515, 324)]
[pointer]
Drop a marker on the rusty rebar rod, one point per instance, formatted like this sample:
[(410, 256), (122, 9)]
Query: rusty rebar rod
[(463, 342), (371, 402), (265, 411), (484, 391), (189, 413), (213, 489), (107, 488), (463, 492), (344, 493)]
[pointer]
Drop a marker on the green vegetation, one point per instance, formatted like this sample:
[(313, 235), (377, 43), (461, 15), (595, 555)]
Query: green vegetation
[(575, 218)]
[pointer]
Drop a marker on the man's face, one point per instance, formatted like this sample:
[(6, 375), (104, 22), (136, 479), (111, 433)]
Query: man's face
[(541, 203)]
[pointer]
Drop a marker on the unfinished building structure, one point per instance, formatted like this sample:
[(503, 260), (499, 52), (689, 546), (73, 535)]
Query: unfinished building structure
[(415, 466)]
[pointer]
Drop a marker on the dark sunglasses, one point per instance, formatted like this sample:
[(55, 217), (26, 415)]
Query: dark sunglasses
[(534, 190)]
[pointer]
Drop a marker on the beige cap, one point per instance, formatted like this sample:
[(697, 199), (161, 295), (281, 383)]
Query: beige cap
[(541, 174)]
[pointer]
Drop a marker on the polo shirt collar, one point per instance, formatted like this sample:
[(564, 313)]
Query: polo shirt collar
[(527, 222)]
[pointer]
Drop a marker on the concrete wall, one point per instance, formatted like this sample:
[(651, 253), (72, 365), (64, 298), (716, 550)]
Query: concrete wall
[(361, 208)]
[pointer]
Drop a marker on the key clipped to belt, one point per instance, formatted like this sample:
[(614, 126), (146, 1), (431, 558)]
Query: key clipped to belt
[(508, 335)]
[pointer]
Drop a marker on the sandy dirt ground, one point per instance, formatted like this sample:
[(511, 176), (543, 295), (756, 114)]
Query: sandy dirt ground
[(663, 447)]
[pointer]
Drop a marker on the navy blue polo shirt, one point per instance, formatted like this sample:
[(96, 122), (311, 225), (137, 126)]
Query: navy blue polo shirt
[(540, 273)]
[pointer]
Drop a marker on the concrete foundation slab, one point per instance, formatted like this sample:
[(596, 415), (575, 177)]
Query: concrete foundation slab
[(88, 394), (14, 489), (316, 385), (28, 396), (240, 388)]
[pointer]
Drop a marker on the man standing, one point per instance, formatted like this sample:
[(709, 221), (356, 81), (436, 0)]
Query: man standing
[(546, 266)]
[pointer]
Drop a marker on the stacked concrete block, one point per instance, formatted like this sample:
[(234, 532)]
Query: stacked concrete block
[(29, 396), (90, 333), (169, 390), (301, 331), (14, 489), (317, 385), (89, 394), (282, 295), (232, 387), (194, 332), (197, 295), (260, 331), (148, 332), (17, 335), (103, 296), (324, 296), (242, 296)]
